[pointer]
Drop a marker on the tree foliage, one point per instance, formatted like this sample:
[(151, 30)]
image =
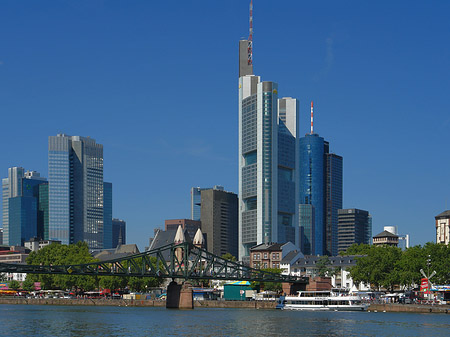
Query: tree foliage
[(57, 254), (269, 286), (384, 266), (228, 256)]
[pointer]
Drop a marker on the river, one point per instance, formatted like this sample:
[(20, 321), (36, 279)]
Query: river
[(46, 320)]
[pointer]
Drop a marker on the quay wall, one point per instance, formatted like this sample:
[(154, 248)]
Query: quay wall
[(136, 303), (445, 309), (416, 308)]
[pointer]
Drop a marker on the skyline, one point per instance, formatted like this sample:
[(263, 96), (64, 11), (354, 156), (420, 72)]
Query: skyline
[(372, 70)]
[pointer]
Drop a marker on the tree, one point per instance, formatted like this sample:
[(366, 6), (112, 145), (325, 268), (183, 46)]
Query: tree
[(14, 285), (28, 284), (269, 286), (228, 256), (323, 266), (57, 254)]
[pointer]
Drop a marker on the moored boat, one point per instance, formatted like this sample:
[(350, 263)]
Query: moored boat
[(334, 300)]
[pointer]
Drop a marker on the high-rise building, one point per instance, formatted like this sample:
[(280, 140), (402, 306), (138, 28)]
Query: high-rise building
[(268, 152), (107, 216), (196, 200), (354, 226), (333, 201), (76, 191), (119, 229), (321, 186), (306, 222), (20, 205), (219, 221)]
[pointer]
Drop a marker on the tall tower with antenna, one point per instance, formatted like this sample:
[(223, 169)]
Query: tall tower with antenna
[(246, 49), (268, 152)]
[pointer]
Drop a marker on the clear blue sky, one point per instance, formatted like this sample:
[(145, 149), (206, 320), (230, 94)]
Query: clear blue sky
[(156, 83)]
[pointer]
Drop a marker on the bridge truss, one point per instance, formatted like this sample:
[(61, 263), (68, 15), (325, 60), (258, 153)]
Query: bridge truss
[(182, 261)]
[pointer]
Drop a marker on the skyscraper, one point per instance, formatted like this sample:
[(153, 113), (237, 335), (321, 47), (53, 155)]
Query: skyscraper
[(119, 229), (196, 200), (219, 221), (268, 165), (20, 205), (355, 226), (320, 186), (76, 191), (107, 216)]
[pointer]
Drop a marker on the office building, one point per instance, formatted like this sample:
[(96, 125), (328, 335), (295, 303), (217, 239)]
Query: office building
[(107, 216), (268, 152), (320, 186), (306, 222), (188, 225), (76, 190), (196, 200), (354, 226), (219, 221), (20, 206), (119, 232), (442, 222)]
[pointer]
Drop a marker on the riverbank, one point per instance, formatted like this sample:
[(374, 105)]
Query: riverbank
[(135, 303), (404, 308), (415, 308)]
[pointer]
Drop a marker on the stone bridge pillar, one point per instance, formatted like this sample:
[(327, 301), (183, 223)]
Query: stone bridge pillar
[(179, 296)]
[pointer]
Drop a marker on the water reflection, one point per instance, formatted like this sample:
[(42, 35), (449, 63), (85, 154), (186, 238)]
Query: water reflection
[(23, 320)]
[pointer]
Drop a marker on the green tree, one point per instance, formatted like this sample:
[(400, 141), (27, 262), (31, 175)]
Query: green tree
[(323, 266), (57, 254), (269, 286), (28, 284), (228, 256), (14, 285)]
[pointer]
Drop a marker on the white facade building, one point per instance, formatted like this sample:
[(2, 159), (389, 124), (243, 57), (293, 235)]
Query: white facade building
[(443, 228)]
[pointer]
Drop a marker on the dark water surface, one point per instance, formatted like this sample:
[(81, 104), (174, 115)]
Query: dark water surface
[(39, 320)]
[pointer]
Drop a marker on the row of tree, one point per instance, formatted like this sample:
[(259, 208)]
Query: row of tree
[(387, 267), (57, 254)]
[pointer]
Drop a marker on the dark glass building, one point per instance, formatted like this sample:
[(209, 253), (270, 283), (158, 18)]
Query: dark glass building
[(333, 183), (107, 216), (119, 229), (320, 185), (354, 226)]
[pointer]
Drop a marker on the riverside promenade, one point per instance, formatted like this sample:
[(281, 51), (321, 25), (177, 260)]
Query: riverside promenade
[(404, 308)]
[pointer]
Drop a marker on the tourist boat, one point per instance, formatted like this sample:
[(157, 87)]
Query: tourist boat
[(332, 300)]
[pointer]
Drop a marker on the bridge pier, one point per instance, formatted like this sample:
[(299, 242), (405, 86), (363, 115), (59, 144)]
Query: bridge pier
[(179, 296)]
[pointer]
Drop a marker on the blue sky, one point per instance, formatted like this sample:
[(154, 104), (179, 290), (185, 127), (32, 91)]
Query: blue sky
[(156, 83)]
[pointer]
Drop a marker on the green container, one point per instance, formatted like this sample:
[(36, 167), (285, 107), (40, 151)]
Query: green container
[(235, 291)]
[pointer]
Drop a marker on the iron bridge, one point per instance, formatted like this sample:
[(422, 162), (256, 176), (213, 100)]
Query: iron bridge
[(176, 261)]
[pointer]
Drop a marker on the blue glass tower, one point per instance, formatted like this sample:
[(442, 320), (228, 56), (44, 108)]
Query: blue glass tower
[(321, 187), (75, 166), (312, 174)]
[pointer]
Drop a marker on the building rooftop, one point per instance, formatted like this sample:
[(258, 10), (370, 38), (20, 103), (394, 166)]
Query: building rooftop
[(443, 215), (267, 246), (384, 234)]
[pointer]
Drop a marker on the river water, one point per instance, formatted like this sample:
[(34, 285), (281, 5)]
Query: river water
[(40, 320)]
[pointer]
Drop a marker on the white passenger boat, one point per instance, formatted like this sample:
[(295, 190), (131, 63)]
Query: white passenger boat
[(334, 300)]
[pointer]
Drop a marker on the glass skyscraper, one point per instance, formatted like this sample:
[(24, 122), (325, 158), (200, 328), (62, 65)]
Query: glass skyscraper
[(320, 186), (268, 146), (20, 205), (107, 216), (76, 191)]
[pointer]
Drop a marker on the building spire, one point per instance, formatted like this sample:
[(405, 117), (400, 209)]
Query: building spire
[(250, 37), (312, 118)]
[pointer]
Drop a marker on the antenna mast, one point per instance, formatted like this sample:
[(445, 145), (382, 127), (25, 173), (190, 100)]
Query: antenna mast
[(250, 37), (312, 118)]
